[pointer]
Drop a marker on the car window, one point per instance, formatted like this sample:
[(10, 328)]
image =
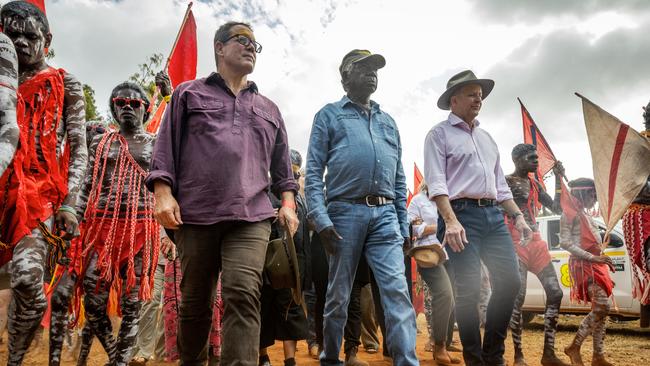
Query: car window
[(615, 241), (553, 233)]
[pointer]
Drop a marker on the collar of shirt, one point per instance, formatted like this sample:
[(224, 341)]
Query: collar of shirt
[(456, 121), (217, 79), (345, 101)]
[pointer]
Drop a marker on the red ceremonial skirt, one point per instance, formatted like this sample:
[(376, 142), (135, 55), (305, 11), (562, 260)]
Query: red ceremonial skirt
[(535, 255)]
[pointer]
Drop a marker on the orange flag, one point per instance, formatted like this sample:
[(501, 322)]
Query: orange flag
[(154, 122), (418, 178), (533, 136)]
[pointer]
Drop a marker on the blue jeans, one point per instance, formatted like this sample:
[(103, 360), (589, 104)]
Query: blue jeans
[(490, 241), (375, 233)]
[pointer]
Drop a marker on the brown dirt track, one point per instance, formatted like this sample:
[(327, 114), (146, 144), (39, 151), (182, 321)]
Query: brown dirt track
[(626, 344)]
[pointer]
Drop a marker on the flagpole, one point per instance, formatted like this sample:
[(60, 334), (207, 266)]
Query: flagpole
[(154, 98)]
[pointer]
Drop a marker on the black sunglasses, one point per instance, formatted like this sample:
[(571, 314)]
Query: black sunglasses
[(245, 41)]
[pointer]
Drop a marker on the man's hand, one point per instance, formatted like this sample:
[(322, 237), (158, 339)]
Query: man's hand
[(524, 230), (455, 236), (66, 221), (166, 211), (408, 244), (603, 259), (558, 169), (163, 83), (288, 219), (328, 238), (168, 248)]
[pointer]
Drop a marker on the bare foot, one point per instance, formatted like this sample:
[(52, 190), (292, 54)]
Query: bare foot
[(442, 357), (574, 355)]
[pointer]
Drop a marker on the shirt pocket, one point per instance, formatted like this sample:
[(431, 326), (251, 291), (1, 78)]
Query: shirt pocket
[(264, 128), (203, 114)]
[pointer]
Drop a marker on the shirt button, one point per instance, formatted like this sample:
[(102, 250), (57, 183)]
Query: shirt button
[(375, 182), (378, 161)]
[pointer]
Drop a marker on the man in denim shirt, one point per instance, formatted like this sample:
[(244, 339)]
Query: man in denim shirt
[(365, 214)]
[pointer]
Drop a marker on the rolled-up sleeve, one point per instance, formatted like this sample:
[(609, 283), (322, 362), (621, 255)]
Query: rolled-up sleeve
[(435, 164), (163, 161), (316, 163), (281, 174)]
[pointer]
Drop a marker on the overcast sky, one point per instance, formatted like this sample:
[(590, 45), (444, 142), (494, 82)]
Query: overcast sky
[(540, 51)]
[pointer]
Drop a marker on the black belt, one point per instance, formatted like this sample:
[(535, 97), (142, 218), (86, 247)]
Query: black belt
[(481, 202), (370, 201)]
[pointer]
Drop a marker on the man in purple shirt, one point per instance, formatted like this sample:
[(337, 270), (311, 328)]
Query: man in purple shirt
[(462, 169), (218, 145)]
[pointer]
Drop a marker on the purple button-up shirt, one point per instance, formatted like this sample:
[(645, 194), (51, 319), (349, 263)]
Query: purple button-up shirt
[(216, 150), (460, 162)]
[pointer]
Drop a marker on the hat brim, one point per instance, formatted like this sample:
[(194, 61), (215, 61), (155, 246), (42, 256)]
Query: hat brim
[(375, 60), (444, 101), (296, 291), (423, 261)]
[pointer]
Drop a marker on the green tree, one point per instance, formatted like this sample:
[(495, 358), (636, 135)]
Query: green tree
[(146, 74), (91, 105)]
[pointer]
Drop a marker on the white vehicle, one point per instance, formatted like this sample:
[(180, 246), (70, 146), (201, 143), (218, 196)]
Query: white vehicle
[(623, 306)]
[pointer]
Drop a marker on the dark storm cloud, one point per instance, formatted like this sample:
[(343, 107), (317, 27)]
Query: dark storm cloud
[(546, 71), (526, 10)]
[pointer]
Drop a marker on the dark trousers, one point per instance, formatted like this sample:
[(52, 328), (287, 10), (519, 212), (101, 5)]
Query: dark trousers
[(489, 241), (352, 332), (237, 250)]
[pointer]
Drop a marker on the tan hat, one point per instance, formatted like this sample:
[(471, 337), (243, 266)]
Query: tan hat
[(459, 80), (428, 256)]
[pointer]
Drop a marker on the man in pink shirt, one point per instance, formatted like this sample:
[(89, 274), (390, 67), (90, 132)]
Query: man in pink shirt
[(463, 171)]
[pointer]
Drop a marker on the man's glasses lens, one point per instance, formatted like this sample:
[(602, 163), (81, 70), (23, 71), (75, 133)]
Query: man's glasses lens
[(245, 41)]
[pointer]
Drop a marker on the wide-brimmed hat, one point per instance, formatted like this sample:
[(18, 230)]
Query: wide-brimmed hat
[(458, 81), (428, 256), (375, 60), (281, 266)]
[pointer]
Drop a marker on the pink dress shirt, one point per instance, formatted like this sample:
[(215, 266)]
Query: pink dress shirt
[(460, 162)]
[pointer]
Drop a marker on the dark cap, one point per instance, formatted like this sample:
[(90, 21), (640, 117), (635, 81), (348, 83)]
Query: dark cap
[(375, 60), (296, 158)]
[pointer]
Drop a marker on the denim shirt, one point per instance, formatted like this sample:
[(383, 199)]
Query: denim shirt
[(362, 156)]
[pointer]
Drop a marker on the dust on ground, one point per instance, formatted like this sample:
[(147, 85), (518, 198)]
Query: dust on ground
[(625, 343)]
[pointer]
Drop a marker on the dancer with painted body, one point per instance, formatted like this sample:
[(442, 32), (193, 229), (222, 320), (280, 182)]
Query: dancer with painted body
[(9, 134), (42, 183), (120, 237), (589, 269), (529, 195)]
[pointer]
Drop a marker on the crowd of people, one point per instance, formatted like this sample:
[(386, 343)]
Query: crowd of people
[(173, 232)]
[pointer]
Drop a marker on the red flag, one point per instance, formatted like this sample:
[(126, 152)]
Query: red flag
[(533, 136), (154, 122), (182, 61), (38, 3)]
